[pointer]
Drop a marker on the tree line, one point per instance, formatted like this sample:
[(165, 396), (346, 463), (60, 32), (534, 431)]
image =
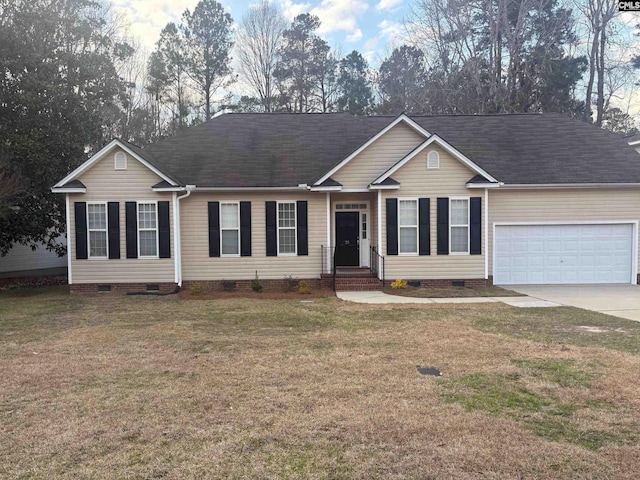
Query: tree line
[(73, 78)]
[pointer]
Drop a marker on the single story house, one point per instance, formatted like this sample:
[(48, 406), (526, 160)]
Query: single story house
[(504, 199)]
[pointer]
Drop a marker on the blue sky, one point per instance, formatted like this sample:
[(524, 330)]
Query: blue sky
[(371, 26)]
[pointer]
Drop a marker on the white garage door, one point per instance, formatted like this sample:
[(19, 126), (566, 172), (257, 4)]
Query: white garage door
[(560, 254)]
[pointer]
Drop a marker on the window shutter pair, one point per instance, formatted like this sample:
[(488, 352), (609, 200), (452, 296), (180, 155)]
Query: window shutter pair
[(302, 228), (164, 230), (424, 234), (113, 230), (475, 226), (214, 229)]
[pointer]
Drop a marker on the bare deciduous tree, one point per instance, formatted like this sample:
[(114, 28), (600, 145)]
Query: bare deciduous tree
[(258, 41)]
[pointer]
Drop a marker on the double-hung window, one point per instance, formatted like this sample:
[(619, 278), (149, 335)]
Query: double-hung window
[(147, 230), (459, 225), (97, 229), (230, 228), (287, 228), (408, 226)]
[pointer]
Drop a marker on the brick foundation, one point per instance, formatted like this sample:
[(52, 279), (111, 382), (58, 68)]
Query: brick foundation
[(121, 287), (268, 285), (443, 283)]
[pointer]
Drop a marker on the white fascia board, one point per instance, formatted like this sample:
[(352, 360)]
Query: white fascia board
[(247, 189), (97, 156), (484, 185), (400, 118), (169, 189), (443, 144), (384, 187), (68, 190), (636, 142), (528, 186), (325, 189)]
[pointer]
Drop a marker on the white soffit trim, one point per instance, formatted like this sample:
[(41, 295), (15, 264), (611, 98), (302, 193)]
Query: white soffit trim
[(450, 149), (68, 190), (98, 156), (636, 142), (401, 118), (483, 185), (384, 187), (325, 189), (527, 186)]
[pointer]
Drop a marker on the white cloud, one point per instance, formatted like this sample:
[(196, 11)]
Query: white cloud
[(146, 18), (340, 15), (387, 4), (355, 36), (393, 31), (291, 9)]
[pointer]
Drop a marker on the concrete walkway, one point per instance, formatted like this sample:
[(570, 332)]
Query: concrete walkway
[(618, 300), (377, 297)]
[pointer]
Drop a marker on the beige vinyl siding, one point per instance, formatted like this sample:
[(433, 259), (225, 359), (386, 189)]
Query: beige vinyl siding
[(378, 157), (197, 265), (417, 182), (568, 205), (104, 184)]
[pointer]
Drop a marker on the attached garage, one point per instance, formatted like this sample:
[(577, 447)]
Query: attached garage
[(565, 253)]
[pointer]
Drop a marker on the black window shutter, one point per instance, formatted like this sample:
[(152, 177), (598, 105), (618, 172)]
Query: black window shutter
[(272, 231), (245, 229), (113, 222), (164, 230), (302, 227), (424, 235), (475, 234), (392, 226), (214, 229), (80, 215), (443, 226), (131, 221)]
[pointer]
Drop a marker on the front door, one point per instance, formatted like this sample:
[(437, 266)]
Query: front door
[(347, 239)]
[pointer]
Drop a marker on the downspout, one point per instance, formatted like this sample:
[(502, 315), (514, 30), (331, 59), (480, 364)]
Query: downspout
[(178, 235), (486, 234), (68, 213)]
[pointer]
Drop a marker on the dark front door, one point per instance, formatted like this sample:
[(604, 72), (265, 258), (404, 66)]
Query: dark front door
[(347, 236)]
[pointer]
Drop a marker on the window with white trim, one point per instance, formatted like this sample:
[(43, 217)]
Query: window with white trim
[(433, 160), (97, 229), (407, 226), (459, 225), (147, 230), (229, 228), (287, 244)]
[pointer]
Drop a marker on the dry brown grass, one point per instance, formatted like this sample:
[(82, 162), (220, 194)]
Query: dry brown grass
[(452, 292), (122, 387)]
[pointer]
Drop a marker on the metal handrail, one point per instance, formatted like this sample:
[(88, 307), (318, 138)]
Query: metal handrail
[(334, 269), (376, 264)]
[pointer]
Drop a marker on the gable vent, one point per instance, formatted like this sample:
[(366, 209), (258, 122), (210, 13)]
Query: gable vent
[(120, 161), (433, 159)]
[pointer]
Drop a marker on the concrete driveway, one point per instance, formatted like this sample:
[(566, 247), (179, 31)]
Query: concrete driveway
[(618, 300)]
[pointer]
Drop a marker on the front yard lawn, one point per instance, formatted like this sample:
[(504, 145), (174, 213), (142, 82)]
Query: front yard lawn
[(452, 292), (109, 386)]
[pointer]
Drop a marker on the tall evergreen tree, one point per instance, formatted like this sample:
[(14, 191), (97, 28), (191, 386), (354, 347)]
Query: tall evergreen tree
[(208, 42), (402, 80), (354, 85), (58, 86)]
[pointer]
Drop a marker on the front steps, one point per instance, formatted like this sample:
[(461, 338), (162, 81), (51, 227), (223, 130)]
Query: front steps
[(350, 279)]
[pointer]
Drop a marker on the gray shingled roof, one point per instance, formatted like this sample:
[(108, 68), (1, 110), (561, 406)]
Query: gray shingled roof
[(285, 150), (633, 138)]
